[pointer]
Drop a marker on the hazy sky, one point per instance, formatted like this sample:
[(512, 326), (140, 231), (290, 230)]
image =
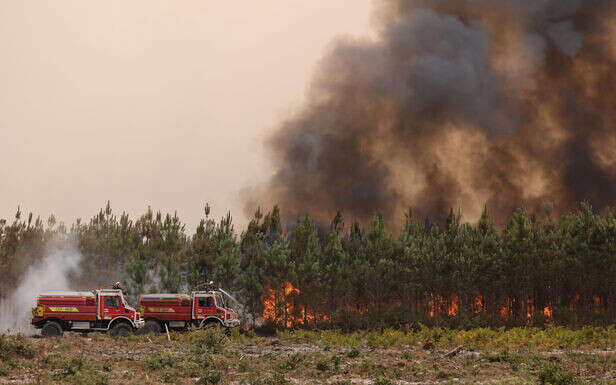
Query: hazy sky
[(151, 102)]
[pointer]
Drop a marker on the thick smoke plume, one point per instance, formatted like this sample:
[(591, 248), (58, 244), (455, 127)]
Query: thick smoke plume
[(51, 273), (458, 104)]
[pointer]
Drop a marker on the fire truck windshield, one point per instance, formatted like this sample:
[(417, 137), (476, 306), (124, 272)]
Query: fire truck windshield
[(219, 301), (112, 302), (205, 302)]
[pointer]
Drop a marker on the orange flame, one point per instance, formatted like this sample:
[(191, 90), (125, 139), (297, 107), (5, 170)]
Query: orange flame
[(279, 306), (478, 304), (439, 305), (507, 310), (453, 306)]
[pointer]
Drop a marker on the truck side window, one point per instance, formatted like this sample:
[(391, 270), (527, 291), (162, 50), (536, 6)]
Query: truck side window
[(205, 302), (112, 301)]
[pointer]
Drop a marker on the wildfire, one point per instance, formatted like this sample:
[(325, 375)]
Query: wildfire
[(507, 310), (478, 304), (453, 306), (281, 307), (530, 310), (439, 305), (284, 306), (278, 305)]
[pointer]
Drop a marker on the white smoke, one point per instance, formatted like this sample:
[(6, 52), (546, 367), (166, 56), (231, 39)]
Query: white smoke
[(51, 273)]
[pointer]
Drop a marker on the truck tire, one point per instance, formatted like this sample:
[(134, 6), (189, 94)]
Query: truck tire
[(152, 326), (210, 324), (120, 329), (51, 329)]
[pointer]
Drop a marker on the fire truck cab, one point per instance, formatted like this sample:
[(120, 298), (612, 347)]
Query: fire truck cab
[(201, 309), (85, 311)]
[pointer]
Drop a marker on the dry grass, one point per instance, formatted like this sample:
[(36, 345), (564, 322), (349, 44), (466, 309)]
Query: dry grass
[(522, 356)]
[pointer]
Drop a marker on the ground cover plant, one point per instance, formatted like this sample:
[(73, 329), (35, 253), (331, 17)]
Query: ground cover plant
[(552, 356)]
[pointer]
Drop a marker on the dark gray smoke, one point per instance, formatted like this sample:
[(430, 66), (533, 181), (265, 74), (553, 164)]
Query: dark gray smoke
[(458, 104)]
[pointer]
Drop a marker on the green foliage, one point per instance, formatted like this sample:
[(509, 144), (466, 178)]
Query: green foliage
[(170, 378), (292, 362), (537, 270), (552, 374), (501, 340), (212, 340), (323, 365), (382, 381), (15, 347), (77, 372), (210, 378), (353, 353), (161, 360)]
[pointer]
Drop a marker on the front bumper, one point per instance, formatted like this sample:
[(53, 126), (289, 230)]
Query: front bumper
[(232, 323), (37, 322), (139, 323)]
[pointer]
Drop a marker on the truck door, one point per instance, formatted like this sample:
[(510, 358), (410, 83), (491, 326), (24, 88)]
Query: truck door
[(111, 307), (204, 307)]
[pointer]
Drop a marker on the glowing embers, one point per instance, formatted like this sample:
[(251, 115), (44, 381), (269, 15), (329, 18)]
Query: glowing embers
[(478, 304)]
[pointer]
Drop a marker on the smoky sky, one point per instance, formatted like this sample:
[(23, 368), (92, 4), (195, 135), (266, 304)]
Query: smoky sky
[(460, 104), (155, 103)]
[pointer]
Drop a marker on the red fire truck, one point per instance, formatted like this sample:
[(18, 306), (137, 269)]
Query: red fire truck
[(85, 311), (202, 309)]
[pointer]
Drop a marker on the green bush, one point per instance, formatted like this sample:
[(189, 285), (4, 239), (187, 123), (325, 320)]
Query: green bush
[(170, 378), (382, 381), (291, 362), (161, 360), (4, 369), (551, 374), (503, 356), (16, 346), (72, 367), (211, 378), (76, 371), (212, 340), (323, 365)]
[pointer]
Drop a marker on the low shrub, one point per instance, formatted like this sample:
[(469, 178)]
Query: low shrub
[(211, 378), (291, 362), (76, 371), (323, 365), (212, 340), (161, 360), (552, 374), (16, 346), (382, 381)]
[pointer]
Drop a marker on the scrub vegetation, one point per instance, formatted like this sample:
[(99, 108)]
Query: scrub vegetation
[(556, 356)]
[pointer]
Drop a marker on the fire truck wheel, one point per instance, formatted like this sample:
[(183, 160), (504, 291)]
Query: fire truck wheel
[(120, 330), (51, 329), (152, 326), (211, 324)]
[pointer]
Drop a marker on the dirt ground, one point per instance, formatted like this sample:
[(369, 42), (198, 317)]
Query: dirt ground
[(211, 357)]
